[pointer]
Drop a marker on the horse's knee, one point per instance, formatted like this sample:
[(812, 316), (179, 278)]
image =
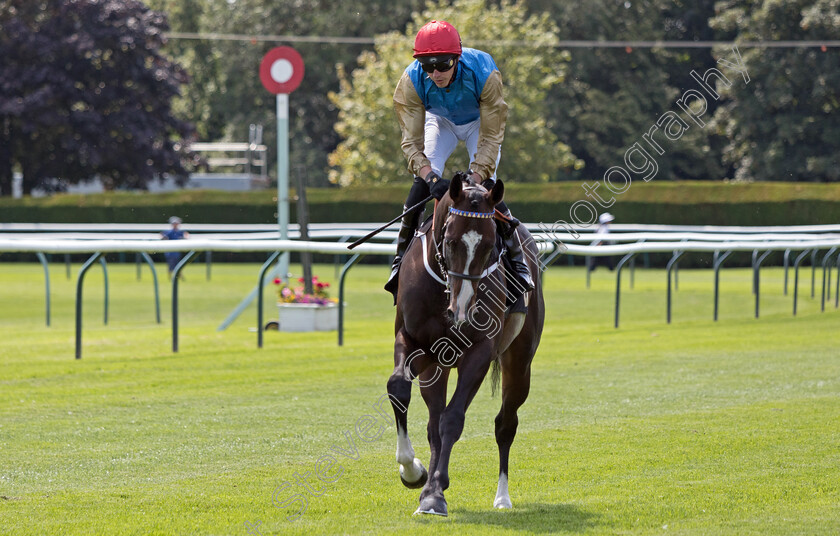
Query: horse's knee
[(399, 389), (451, 425), (433, 430), (498, 420), (506, 426)]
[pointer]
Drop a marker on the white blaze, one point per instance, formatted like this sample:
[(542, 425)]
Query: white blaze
[(471, 239)]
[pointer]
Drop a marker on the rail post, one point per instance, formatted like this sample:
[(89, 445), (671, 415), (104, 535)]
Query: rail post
[(347, 265), (717, 265), (826, 291), (151, 264), (175, 273), (671, 265), (43, 260), (266, 265), (756, 275), (618, 268), (93, 258), (796, 277)]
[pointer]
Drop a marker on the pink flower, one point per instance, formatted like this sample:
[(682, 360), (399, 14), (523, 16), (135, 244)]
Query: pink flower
[(319, 295)]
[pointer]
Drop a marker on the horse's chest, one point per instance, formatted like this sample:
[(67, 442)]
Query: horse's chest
[(436, 332), (425, 329)]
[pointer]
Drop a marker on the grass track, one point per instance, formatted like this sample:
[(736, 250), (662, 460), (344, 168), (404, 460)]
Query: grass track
[(690, 428)]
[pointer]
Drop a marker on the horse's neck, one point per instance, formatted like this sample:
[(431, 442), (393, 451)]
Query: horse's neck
[(433, 238)]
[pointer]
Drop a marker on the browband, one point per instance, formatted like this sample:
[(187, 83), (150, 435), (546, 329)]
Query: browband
[(468, 214)]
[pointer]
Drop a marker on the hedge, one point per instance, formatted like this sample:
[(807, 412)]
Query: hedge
[(686, 203)]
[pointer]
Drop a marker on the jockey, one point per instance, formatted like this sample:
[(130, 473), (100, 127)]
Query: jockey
[(448, 94)]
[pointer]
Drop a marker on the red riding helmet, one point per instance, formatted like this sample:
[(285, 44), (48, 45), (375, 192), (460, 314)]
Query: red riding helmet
[(437, 38)]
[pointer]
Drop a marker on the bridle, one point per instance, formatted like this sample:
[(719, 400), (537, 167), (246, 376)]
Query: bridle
[(439, 250)]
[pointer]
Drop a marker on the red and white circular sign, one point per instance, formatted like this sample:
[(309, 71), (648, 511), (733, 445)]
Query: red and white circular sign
[(281, 70)]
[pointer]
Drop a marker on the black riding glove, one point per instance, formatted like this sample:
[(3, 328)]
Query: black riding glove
[(437, 185)]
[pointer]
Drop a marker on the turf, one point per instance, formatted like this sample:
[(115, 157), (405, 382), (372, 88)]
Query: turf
[(693, 427)]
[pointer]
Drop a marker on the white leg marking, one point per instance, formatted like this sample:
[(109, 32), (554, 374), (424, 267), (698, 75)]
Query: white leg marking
[(405, 452), (502, 497), (410, 467), (412, 473)]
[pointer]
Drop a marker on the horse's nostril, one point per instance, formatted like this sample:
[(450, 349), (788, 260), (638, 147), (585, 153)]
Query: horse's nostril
[(450, 315)]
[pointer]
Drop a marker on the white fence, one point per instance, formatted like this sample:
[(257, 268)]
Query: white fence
[(97, 239)]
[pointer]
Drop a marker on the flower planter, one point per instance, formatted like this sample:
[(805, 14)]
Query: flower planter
[(308, 317)]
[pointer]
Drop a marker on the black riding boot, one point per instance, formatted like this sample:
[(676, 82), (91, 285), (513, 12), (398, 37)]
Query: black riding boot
[(514, 251), (418, 192)]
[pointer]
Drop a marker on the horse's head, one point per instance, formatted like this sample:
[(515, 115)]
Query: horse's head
[(469, 235)]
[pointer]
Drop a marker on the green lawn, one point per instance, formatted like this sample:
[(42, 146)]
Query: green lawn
[(697, 427)]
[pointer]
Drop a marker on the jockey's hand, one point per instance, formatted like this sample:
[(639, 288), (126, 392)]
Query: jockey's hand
[(488, 184), (437, 185)]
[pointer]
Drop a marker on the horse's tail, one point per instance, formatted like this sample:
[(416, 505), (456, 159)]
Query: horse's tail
[(495, 374)]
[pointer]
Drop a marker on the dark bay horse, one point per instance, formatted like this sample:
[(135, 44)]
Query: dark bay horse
[(452, 313)]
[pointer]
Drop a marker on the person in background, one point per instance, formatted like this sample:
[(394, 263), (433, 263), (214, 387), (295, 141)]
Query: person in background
[(601, 239), (174, 233)]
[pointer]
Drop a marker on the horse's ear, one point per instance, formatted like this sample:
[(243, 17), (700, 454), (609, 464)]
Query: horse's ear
[(455, 186), (497, 193)]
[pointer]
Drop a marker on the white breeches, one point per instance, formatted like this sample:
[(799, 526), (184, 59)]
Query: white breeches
[(442, 136)]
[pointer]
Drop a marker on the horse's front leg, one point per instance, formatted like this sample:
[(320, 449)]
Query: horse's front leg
[(433, 389), (472, 368), (407, 365)]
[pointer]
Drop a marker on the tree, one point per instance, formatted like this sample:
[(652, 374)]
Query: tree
[(370, 151), (200, 99), (614, 95), (227, 96), (784, 124), (84, 90)]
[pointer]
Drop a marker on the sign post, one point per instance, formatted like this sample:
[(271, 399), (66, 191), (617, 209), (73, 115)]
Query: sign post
[(281, 71)]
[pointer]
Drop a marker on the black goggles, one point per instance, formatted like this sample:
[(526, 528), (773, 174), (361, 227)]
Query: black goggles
[(440, 66)]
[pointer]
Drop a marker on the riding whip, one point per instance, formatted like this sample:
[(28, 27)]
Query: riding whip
[(379, 230)]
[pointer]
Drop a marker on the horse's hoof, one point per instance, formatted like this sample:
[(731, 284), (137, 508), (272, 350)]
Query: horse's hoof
[(432, 505), (420, 482)]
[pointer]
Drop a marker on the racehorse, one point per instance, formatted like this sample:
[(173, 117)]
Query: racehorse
[(452, 313)]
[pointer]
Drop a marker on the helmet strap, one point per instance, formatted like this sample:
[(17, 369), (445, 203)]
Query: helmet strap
[(454, 71)]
